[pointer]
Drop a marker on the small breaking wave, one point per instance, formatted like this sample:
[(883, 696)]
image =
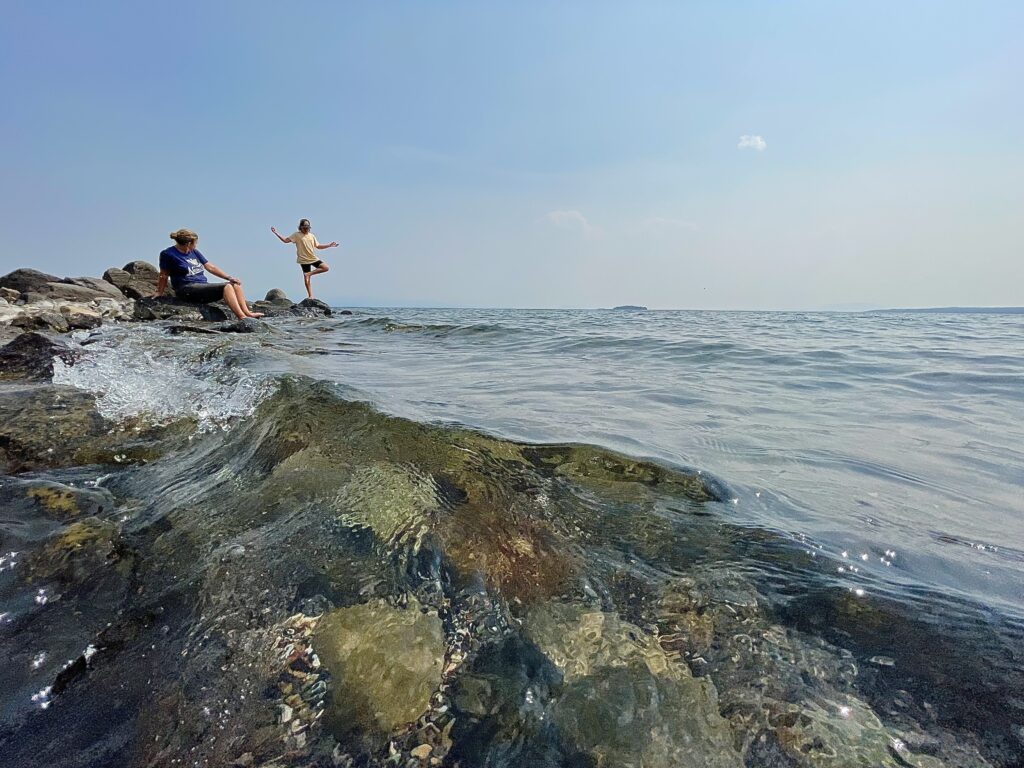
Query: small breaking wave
[(160, 379)]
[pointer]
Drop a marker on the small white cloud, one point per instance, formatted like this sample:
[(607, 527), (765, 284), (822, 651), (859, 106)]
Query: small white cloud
[(571, 220), (665, 224), (752, 142)]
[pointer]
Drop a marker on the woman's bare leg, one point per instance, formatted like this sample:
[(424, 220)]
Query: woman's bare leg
[(244, 305), (231, 294), (309, 288)]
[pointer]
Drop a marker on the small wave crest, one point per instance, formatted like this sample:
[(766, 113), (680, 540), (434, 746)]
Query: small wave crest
[(149, 375), (390, 325)]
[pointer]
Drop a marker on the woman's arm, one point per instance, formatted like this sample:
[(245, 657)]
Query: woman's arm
[(213, 269), (161, 284), (282, 239), (323, 247)]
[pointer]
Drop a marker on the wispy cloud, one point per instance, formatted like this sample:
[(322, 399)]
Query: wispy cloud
[(666, 224), (752, 142), (573, 220)]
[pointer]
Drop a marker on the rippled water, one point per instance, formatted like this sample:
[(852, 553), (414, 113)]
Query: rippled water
[(549, 539), (869, 433)]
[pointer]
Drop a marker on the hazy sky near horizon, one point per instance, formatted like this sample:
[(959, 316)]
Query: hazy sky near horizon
[(792, 155)]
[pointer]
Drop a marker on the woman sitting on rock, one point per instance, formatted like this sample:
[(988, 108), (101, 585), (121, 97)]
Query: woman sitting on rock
[(185, 265)]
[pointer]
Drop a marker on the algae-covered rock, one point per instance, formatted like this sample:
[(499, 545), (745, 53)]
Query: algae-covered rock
[(626, 701), (394, 501), (25, 498), (385, 661)]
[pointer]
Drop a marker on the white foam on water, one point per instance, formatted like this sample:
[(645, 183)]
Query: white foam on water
[(146, 373)]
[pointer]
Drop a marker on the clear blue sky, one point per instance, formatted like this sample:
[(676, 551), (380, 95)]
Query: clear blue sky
[(566, 154)]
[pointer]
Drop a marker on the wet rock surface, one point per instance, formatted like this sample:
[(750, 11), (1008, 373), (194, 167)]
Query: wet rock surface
[(31, 356)]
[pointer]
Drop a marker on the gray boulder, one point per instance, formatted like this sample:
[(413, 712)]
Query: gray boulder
[(24, 280), (139, 283), (61, 291), (9, 295), (140, 268), (277, 296), (101, 287), (117, 277), (31, 356)]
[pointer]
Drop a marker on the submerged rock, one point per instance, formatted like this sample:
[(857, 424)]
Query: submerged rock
[(626, 702), (34, 498), (385, 662)]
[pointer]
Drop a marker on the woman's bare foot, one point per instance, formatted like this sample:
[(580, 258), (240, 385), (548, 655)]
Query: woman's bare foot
[(255, 314)]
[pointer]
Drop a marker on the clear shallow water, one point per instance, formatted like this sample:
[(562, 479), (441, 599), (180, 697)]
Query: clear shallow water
[(820, 568), (895, 438)]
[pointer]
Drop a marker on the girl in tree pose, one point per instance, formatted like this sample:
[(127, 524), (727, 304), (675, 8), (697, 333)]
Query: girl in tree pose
[(306, 246)]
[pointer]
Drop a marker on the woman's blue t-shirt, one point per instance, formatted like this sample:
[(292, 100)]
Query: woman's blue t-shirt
[(183, 267)]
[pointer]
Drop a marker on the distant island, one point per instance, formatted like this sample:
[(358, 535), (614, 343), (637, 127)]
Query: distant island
[(960, 310), (630, 306)]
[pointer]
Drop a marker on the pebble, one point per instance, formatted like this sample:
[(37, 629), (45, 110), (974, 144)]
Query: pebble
[(422, 752)]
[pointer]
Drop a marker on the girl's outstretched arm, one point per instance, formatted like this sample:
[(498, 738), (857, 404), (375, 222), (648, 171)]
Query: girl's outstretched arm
[(282, 239)]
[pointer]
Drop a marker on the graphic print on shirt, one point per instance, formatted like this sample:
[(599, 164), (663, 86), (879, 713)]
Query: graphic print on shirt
[(194, 266)]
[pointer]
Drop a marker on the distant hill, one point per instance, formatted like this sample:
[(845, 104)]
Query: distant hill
[(960, 310), (629, 306)]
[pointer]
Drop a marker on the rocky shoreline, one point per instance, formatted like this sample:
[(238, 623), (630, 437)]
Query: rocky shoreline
[(33, 301)]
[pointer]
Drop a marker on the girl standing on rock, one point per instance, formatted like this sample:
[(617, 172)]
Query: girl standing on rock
[(184, 265), (306, 246)]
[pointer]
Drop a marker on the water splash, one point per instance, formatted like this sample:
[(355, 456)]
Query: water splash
[(159, 378)]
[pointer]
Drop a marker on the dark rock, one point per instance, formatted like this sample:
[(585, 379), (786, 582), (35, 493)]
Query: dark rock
[(166, 308), (141, 269), (117, 277), (140, 284), (32, 297), (345, 312), (272, 308), (23, 280), (316, 304), (177, 330), (245, 325), (277, 295), (31, 356), (53, 321)]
